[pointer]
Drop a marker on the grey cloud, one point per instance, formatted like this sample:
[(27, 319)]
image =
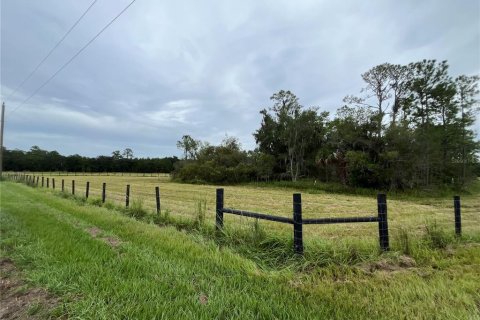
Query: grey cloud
[(165, 69)]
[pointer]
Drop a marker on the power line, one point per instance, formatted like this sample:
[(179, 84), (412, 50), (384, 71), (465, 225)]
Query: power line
[(51, 51), (73, 57)]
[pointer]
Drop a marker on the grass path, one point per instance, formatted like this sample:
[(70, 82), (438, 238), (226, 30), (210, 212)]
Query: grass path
[(105, 265)]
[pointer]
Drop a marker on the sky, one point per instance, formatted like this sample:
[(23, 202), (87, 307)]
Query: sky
[(205, 68)]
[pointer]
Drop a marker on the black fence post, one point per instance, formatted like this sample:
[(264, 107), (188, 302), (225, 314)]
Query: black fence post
[(38, 178), (219, 210), (127, 196), (48, 183), (104, 192), (382, 222), (63, 185), (297, 224), (157, 198), (458, 215), (43, 181), (87, 189), (73, 187), (53, 183)]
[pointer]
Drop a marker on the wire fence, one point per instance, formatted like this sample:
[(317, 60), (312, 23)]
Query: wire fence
[(156, 194)]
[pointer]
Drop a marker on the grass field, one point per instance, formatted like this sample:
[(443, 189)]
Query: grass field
[(181, 200), (104, 264)]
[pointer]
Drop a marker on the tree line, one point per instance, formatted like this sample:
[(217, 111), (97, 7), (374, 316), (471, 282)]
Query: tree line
[(409, 127), (37, 159)]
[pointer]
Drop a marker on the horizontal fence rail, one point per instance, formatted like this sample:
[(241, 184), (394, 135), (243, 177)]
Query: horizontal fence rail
[(257, 215), (298, 221)]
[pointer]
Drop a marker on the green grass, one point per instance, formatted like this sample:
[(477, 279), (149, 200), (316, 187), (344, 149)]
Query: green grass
[(188, 272), (407, 212)]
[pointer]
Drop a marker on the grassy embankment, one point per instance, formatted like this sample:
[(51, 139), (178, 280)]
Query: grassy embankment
[(106, 265)]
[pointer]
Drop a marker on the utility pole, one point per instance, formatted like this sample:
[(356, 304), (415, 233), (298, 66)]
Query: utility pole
[(1, 139)]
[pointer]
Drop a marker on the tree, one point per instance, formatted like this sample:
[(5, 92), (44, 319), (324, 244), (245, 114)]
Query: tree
[(378, 82), (128, 153), (189, 146), (467, 92), (116, 155), (377, 93), (428, 86), (225, 163), (289, 132), (351, 146), (399, 76), (37, 159)]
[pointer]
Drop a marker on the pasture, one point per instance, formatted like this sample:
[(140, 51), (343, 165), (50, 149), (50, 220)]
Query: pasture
[(174, 267), (410, 215)]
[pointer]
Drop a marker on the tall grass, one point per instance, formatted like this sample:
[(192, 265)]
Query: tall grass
[(200, 210)]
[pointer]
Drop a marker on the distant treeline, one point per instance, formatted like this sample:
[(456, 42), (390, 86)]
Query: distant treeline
[(409, 128), (37, 159)]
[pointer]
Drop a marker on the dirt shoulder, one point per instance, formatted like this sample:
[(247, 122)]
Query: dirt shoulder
[(17, 299)]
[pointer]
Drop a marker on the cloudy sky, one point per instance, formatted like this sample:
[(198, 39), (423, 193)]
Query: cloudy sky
[(205, 68)]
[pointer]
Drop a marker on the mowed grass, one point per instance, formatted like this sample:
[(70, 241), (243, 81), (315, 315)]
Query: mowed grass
[(131, 269)]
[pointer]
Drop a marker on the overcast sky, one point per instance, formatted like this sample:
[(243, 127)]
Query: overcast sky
[(206, 68)]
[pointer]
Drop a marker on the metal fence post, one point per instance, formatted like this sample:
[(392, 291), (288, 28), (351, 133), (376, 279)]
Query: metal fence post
[(127, 196), (297, 223), (87, 189), (43, 181), (157, 198), (219, 210), (104, 192), (37, 180), (63, 185), (48, 183), (458, 215), (382, 222), (73, 187), (53, 183)]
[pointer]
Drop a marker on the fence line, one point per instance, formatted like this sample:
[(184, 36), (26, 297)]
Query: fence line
[(297, 220)]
